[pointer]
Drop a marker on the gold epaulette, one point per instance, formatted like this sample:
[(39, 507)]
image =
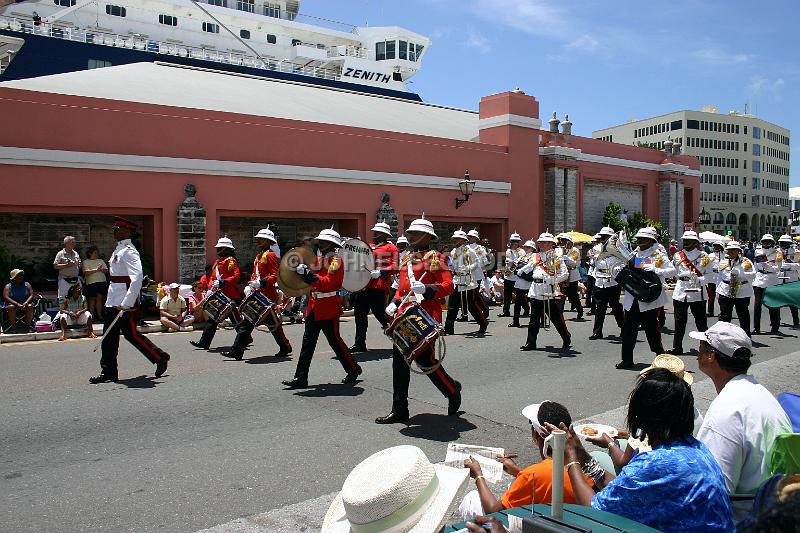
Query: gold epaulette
[(436, 264), (778, 256), (334, 266), (746, 264), (659, 261), (704, 260), (405, 261), (558, 264)]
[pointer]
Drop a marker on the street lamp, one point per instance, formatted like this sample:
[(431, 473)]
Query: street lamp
[(467, 187)]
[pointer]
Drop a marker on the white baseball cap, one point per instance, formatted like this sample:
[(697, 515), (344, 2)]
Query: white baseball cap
[(224, 242), (690, 236), (725, 337), (546, 237), (382, 227), (474, 233), (266, 233), (422, 225), (529, 244), (515, 237), (607, 230), (330, 235)]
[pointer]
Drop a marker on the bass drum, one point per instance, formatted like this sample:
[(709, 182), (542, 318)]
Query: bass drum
[(358, 261), (643, 285)]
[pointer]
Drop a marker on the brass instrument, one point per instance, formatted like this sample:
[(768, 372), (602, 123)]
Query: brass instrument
[(735, 283), (549, 263), (464, 278)]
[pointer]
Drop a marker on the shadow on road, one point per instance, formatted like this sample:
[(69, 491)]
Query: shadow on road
[(373, 355), (440, 428), (140, 382), (266, 360), (331, 389)]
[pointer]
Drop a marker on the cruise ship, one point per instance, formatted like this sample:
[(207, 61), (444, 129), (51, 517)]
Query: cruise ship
[(258, 38)]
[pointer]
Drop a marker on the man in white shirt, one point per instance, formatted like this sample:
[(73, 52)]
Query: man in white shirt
[(741, 424), (68, 264)]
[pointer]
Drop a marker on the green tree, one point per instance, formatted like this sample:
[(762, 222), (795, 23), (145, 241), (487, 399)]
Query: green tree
[(639, 221), (611, 216)]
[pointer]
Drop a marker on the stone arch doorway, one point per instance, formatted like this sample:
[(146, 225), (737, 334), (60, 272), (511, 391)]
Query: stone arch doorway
[(744, 234)]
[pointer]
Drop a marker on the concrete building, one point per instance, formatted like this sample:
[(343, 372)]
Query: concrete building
[(193, 155), (744, 162), (794, 209)]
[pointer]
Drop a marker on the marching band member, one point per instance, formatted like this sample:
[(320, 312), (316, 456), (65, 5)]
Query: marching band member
[(647, 256), (484, 255), (323, 311), (423, 272), (606, 289), (225, 276), (125, 275), (403, 251), (591, 258), (263, 279), (466, 263), (373, 297), (789, 270), (512, 255), (712, 275), (735, 285), (522, 285), (692, 265), (572, 258), (768, 267), (546, 272)]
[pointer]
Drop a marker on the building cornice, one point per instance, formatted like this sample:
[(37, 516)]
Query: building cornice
[(510, 120)]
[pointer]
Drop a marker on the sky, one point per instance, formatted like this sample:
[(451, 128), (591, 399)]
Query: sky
[(602, 62)]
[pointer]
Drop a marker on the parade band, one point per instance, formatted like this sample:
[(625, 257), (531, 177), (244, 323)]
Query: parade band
[(691, 265), (225, 275)]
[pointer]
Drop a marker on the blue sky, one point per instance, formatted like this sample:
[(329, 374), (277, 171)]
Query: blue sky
[(602, 62)]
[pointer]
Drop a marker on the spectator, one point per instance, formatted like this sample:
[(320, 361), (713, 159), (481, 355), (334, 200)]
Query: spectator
[(18, 297), (94, 275), (68, 264), (677, 486), (750, 251), (74, 311), (174, 311), (743, 420), (198, 315), (482, 501), (206, 278), (673, 248)]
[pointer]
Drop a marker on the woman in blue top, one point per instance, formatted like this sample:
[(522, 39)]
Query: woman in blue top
[(677, 486), (17, 296)]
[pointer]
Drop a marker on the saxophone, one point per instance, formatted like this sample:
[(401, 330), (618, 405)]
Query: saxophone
[(735, 283)]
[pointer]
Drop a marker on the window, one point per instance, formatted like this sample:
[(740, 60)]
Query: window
[(402, 52), (220, 3), (756, 132), (271, 39), (64, 3), (745, 130), (115, 11), (756, 166), (692, 125), (210, 27), (98, 63), (380, 51), (168, 20), (756, 148), (390, 49), (246, 5), (676, 125), (272, 10), (244, 34)]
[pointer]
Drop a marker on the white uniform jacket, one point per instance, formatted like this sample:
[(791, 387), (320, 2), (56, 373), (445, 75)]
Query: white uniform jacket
[(791, 265), (712, 274), (544, 282), (742, 270), (661, 266), (483, 256), (523, 261), (592, 258), (685, 273), (604, 271), (767, 272), (464, 260), (512, 256), (572, 258), (124, 262)]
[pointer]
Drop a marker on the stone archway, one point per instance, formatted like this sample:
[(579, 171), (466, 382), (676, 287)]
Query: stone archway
[(744, 234), (755, 230)]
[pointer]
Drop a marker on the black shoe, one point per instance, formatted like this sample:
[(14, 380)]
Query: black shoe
[(595, 336), (590, 313), (295, 383), (676, 351), (756, 332), (580, 316), (504, 314), (775, 331), (358, 348), (482, 331), (249, 340), (454, 402), (527, 347), (197, 344), (102, 378), (622, 365), (567, 344), (161, 366), (462, 319), (449, 331), (394, 417), (352, 377), (283, 353), (514, 325), (525, 315), (233, 355), (795, 326)]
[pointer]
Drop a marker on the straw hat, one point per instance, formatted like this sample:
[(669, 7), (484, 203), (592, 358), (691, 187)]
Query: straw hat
[(16, 272), (673, 364), (396, 490)]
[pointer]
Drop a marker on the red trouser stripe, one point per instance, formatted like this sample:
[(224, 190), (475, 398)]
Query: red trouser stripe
[(348, 357), (284, 342), (478, 305), (140, 340), (445, 379)]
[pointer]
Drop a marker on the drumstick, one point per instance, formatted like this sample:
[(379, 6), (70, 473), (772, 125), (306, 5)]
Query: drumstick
[(410, 292)]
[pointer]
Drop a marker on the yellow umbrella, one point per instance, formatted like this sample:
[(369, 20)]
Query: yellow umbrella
[(797, 238), (580, 238)]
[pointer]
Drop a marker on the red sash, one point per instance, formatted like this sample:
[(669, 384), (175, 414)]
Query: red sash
[(685, 260)]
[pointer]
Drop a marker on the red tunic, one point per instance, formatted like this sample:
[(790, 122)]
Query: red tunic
[(430, 268), (265, 267), (324, 300), (227, 270), (386, 255)]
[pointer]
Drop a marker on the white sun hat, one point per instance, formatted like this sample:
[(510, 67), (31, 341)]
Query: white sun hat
[(402, 240), (597, 236), (330, 235), (423, 226), (768, 237), (647, 233), (515, 237), (396, 490), (607, 230), (266, 233), (529, 244), (382, 227), (224, 242), (733, 244), (785, 238), (546, 237), (565, 236), (459, 234), (690, 236), (474, 233)]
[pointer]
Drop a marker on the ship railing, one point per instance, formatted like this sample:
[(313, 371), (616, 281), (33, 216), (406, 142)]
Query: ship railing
[(135, 42), (348, 51)]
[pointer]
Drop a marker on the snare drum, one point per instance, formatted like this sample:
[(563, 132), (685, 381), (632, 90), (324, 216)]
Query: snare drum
[(258, 309), (413, 332), (218, 306)]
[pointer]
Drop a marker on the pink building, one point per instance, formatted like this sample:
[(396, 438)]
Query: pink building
[(77, 148)]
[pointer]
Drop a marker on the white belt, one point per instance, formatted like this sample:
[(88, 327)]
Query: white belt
[(323, 294)]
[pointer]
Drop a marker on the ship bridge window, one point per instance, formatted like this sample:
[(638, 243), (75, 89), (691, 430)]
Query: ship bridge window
[(220, 3), (98, 63), (64, 3), (272, 10), (402, 50), (210, 27), (169, 20), (115, 11), (246, 5), (385, 50), (271, 39), (244, 34)]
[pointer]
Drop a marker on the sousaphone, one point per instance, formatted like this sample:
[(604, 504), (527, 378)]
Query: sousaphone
[(289, 281)]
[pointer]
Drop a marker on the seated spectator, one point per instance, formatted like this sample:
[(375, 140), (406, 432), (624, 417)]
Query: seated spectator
[(18, 297), (174, 311), (776, 508), (207, 278), (198, 315), (94, 273), (743, 420), (521, 490), (397, 489), (676, 486), (68, 263), (74, 311)]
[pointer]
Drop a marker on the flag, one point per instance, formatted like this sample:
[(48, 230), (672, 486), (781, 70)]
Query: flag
[(782, 295)]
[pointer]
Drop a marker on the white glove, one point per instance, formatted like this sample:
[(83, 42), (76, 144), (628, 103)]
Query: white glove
[(375, 274), (255, 284), (248, 291), (215, 284), (649, 267), (417, 287), (301, 269), (391, 309)]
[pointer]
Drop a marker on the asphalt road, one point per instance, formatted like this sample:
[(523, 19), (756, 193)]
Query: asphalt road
[(216, 439)]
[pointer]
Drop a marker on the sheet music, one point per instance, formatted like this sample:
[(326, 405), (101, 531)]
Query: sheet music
[(514, 524), (485, 455)]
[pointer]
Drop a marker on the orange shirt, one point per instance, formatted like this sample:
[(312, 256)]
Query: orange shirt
[(519, 493)]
